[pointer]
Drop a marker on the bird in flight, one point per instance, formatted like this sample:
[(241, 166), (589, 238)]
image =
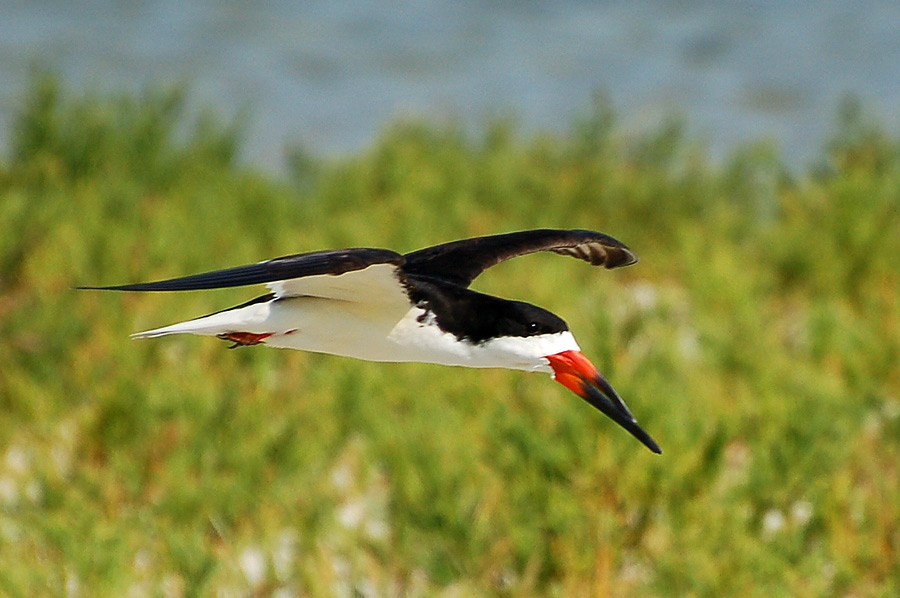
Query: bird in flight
[(380, 305)]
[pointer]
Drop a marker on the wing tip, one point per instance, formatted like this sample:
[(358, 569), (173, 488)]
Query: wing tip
[(619, 258), (119, 287), (615, 254)]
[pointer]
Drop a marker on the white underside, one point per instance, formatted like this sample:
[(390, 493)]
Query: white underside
[(373, 332)]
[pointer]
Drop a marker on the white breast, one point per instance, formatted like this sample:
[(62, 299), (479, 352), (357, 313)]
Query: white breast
[(374, 333)]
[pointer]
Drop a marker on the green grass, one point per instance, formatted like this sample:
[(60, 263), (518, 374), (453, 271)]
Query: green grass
[(757, 340)]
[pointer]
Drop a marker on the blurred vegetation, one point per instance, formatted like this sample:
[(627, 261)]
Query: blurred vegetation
[(757, 340)]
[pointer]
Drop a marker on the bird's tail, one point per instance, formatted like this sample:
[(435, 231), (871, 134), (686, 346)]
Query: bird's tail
[(247, 317)]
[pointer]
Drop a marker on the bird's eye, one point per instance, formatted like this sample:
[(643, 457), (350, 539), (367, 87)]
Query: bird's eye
[(532, 327)]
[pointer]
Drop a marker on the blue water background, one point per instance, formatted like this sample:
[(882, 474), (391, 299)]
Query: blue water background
[(330, 75)]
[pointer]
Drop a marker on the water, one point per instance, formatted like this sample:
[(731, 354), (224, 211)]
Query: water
[(330, 75)]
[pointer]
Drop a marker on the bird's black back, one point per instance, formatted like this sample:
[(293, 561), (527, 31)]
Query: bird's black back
[(476, 317)]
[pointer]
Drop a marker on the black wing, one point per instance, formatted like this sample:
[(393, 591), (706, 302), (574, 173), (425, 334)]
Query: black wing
[(460, 262), (335, 262)]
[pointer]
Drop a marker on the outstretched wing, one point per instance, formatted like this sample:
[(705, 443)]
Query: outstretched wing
[(320, 273), (460, 262)]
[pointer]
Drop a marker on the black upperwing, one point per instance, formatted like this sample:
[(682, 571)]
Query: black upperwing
[(460, 262), (317, 263)]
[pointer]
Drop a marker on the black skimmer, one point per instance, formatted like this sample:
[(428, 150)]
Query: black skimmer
[(379, 305)]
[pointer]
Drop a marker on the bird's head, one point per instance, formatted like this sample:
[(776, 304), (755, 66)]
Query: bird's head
[(575, 371), (526, 337)]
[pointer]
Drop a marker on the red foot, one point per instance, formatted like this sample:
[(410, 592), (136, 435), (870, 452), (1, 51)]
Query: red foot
[(245, 339)]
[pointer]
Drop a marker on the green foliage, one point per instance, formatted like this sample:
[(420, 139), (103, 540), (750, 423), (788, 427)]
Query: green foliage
[(757, 340)]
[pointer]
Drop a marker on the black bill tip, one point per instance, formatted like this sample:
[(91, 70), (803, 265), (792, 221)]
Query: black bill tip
[(602, 396)]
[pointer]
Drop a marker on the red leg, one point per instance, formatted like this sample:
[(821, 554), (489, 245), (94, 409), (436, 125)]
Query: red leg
[(245, 339)]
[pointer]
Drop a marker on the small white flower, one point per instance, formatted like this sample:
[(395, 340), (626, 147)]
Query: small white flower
[(351, 514), (342, 477), (73, 585), (17, 460), (801, 512), (253, 564), (9, 491), (890, 409), (688, 344), (377, 529), (645, 295), (773, 522), (33, 491), (284, 554), (142, 562)]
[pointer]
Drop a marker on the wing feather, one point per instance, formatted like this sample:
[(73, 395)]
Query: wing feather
[(460, 262), (331, 263)]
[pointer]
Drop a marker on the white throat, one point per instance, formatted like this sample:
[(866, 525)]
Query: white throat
[(418, 338)]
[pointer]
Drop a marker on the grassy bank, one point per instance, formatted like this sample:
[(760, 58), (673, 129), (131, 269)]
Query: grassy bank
[(757, 340)]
